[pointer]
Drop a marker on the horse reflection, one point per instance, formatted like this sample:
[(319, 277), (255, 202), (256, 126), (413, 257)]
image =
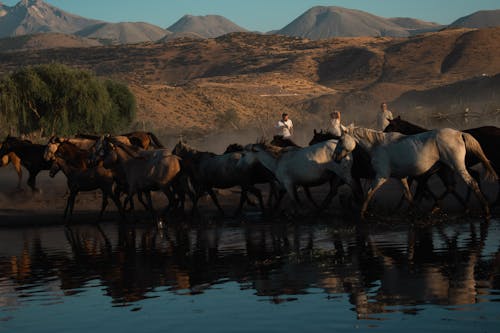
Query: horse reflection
[(377, 270)]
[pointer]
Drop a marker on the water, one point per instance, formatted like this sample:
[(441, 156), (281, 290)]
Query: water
[(249, 277)]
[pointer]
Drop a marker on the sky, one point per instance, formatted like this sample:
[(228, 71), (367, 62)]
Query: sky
[(262, 15)]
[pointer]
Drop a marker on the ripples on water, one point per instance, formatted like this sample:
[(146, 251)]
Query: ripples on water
[(251, 277)]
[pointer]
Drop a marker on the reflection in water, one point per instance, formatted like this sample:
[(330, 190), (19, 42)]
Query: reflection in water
[(401, 268)]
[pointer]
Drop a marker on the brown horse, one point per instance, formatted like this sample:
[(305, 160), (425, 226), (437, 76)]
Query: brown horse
[(31, 156), (140, 139), (144, 170), (16, 163), (81, 177)]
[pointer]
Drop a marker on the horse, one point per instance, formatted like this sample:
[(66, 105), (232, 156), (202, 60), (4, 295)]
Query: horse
[(281, 141), (401, 156), (144, 170), (55, 141), (13, 159), (309, 166), (31, 156), (81, 177), (208, 171), (258, 174), (487, 136), (140, 139), (361, 165)]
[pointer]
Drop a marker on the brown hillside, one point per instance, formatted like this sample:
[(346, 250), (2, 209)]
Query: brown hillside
[(190, 85)]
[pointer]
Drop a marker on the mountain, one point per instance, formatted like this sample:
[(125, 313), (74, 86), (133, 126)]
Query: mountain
[(45, 41), (209, 26), (124, 32), (480, 19), (415, 26), (187, 84), (36, 16), (326, 22), (186, 35)]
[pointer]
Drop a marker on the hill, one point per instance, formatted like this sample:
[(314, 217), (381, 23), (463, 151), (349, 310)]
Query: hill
[(415, 26), (480, 19), (44, 41), (208, 26), (124, 32), (326, 22), (193, 85), (36, 16)]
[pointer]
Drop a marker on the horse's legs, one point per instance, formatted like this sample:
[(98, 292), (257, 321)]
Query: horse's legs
[(309, 196), (477, 176), (104, 204), (149, 203), (70, 205), (32, 180), (281, 194), (407, 191), (376, 184), (471, 182), (335, 182), (116, 199), (255, 191), (296, 195), (214, 199), (243, 198), (17, 165)]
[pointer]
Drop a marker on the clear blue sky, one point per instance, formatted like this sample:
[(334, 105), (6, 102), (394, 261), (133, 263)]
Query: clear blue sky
[(263, 15)]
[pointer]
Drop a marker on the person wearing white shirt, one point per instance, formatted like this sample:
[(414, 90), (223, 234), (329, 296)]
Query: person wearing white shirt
[(383, 117), (335, 126), (285, 126)]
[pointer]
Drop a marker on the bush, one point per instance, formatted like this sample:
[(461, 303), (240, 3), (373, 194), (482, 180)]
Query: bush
[(56, 99)]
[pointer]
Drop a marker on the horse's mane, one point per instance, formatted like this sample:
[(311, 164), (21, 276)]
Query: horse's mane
[(132, 151), (275, 151), (374, 137), (194, 154), (233, 148), (398, 123)]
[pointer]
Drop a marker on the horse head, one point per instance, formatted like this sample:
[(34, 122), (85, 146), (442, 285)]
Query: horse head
[(345, 146)]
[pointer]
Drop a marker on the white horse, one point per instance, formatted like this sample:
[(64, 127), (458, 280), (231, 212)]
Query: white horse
[(400, 156), (308, 166)]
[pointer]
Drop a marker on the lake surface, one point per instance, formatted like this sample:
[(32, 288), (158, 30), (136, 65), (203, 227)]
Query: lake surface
[(251, 276)]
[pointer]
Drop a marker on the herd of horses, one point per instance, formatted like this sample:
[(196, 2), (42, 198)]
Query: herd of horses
[(133, 165)]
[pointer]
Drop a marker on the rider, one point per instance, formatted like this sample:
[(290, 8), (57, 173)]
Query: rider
[(285, 126), (383, 117)]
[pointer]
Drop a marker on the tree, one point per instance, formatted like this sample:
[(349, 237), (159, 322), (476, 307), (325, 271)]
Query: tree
[(57, 99)]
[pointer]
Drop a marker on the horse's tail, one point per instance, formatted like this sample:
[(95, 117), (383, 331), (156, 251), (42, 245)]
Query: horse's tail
[(473, 146), (155, 140)]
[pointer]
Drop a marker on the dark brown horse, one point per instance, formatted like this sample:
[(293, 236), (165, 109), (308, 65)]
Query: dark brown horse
[(258, 175), (82, 177), (487, 136), (207, 171), (31, 156)]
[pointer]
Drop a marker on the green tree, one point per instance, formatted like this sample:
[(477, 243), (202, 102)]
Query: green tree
[(58, 99)]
